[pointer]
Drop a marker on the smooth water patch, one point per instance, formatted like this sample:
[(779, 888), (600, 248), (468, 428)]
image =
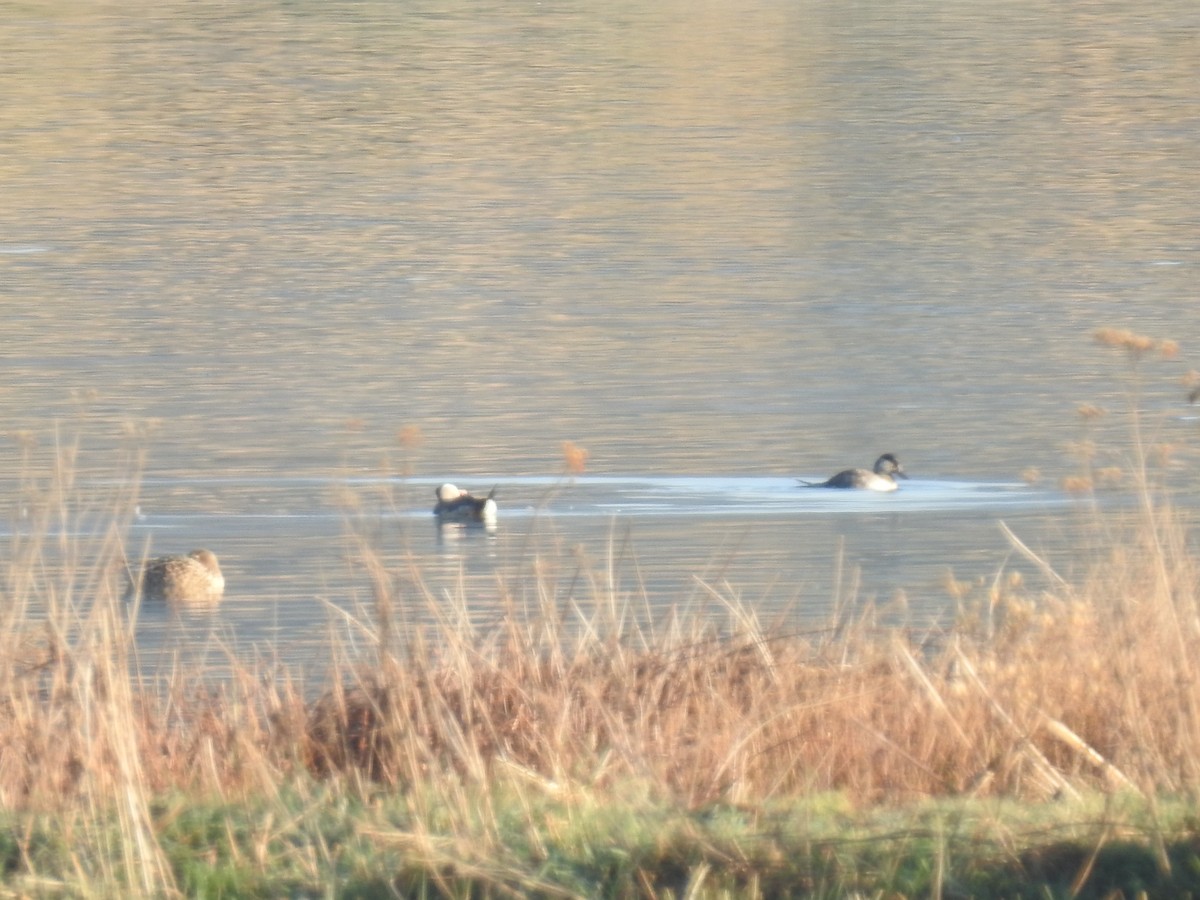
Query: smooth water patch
[(606, 495), (749, 496)]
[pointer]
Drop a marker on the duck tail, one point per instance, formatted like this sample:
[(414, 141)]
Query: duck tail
[(492, 493), (804, 483)]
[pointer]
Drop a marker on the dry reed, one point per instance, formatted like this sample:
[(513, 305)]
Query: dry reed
[(1065, 690), (1061, 691)]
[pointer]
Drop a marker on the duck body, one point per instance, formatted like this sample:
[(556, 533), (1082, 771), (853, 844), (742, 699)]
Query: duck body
[(455, 505), (882, 478), (192, 579)]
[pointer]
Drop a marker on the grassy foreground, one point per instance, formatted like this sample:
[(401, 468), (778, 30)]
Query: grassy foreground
[(1047, 747)]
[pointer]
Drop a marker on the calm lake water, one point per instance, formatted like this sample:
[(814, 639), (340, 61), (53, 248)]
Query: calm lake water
[(319, 257)]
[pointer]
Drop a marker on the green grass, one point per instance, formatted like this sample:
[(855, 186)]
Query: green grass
[(321, 842)]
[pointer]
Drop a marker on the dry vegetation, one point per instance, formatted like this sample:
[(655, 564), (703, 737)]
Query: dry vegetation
[(1043, 693), (1054, 692), (1094, 687)]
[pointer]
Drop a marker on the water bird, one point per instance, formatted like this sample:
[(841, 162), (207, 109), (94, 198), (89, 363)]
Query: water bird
[(192, 579), (882, 478), (456, 505)]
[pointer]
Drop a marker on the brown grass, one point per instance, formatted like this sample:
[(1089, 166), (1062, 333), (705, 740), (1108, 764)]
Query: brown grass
[(1038, 693), (1044, 693), (1080, 689)]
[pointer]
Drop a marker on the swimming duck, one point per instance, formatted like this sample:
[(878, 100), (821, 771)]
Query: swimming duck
[(193, 579), (456, 505), (883, 478)]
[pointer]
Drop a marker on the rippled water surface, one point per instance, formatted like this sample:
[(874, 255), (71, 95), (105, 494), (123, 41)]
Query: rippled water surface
[(314, 259)]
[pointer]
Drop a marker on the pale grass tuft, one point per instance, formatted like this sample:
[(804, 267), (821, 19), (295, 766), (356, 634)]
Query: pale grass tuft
[(25, 439), (141, 429), (955, 588), (1162, 454), (1077, 484), (410, 437), (574, 458), (1137, 345)]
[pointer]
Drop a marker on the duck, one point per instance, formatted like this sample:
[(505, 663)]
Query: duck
[(881, 478), (192, 579), (458, 506)]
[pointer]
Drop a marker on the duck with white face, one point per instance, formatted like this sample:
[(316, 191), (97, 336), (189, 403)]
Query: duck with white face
[(881, 478), (455, 505)]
